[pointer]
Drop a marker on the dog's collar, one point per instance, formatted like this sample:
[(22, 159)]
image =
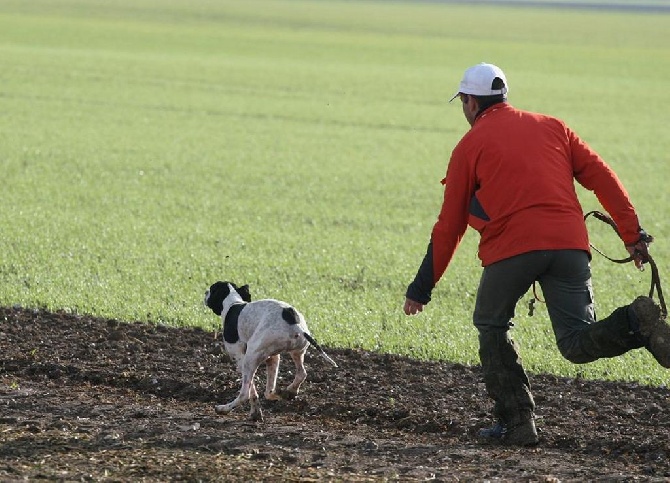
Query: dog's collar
[(230, 332)]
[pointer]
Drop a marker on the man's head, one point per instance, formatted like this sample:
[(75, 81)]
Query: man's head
[(482, 86)]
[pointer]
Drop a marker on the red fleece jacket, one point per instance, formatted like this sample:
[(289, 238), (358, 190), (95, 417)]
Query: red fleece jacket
[(511, 178)]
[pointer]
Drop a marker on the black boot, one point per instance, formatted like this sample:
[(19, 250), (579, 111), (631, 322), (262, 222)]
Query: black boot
[(518, 430), (653, 330)]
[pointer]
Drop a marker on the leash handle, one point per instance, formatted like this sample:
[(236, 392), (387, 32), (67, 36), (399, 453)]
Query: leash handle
[(655, 277)]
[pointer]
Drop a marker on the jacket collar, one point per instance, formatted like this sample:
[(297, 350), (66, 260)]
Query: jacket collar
[(490, 110)]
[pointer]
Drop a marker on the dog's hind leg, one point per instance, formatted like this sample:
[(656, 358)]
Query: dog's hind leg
[(292, 390), (272, 366)]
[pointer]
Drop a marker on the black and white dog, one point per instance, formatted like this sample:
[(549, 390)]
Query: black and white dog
[(257, 332)]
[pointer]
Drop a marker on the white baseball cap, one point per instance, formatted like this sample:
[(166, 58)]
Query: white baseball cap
[(478, 81)]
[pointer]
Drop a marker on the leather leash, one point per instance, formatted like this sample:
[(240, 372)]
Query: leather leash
[(655, 277)]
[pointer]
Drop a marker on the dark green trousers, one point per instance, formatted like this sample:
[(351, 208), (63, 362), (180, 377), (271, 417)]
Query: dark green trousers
[(565, 279)]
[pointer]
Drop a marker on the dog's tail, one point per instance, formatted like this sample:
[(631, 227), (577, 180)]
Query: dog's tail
[(311, 340)]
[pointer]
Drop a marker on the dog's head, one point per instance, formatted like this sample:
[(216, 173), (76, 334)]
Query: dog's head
[(218, 292)]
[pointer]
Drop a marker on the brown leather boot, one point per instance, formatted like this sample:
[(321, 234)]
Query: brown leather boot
[(652, 328)]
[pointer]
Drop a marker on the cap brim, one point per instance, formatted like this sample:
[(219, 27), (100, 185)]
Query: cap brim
[(455, 96)]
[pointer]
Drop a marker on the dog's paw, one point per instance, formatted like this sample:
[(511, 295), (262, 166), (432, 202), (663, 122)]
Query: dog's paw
[(287, 394), (222, 409), (273, 396)]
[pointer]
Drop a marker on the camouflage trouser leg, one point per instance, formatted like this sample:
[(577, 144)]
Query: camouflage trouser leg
[(565, 277), (569, 297), (609, 337), (500, 288), (505, 379)]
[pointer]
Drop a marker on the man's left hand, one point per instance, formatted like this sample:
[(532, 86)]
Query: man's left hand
[(640, 251), (411, 307)]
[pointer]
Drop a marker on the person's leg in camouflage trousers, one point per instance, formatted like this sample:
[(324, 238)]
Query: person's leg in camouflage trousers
[(508, 385), (501, 286), (565, 278), (567, 290)]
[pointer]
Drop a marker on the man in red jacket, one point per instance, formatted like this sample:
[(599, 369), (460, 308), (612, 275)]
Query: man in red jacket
[(511, 177)]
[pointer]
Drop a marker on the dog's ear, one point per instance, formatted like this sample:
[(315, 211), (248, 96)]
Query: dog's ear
[(217, 293), (244, 293)]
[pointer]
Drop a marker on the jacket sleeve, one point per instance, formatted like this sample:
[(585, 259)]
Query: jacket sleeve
[(421, 288), (448, 230), (595, 175)]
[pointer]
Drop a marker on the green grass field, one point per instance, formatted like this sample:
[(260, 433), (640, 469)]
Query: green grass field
[(152, 147)]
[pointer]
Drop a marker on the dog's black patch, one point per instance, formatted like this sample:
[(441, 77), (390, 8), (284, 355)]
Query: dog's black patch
[(230, 332), (219, 291), (290, 315)]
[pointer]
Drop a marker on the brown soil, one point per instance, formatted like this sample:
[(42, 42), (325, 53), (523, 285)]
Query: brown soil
[(97, 400)]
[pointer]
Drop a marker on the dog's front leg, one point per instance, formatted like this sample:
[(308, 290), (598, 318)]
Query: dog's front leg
[(248, 365), (241, 397), (256, 413), (272, 367), (248, 392)]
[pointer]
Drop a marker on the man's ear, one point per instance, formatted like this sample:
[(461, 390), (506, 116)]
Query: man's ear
[(244, 293)]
